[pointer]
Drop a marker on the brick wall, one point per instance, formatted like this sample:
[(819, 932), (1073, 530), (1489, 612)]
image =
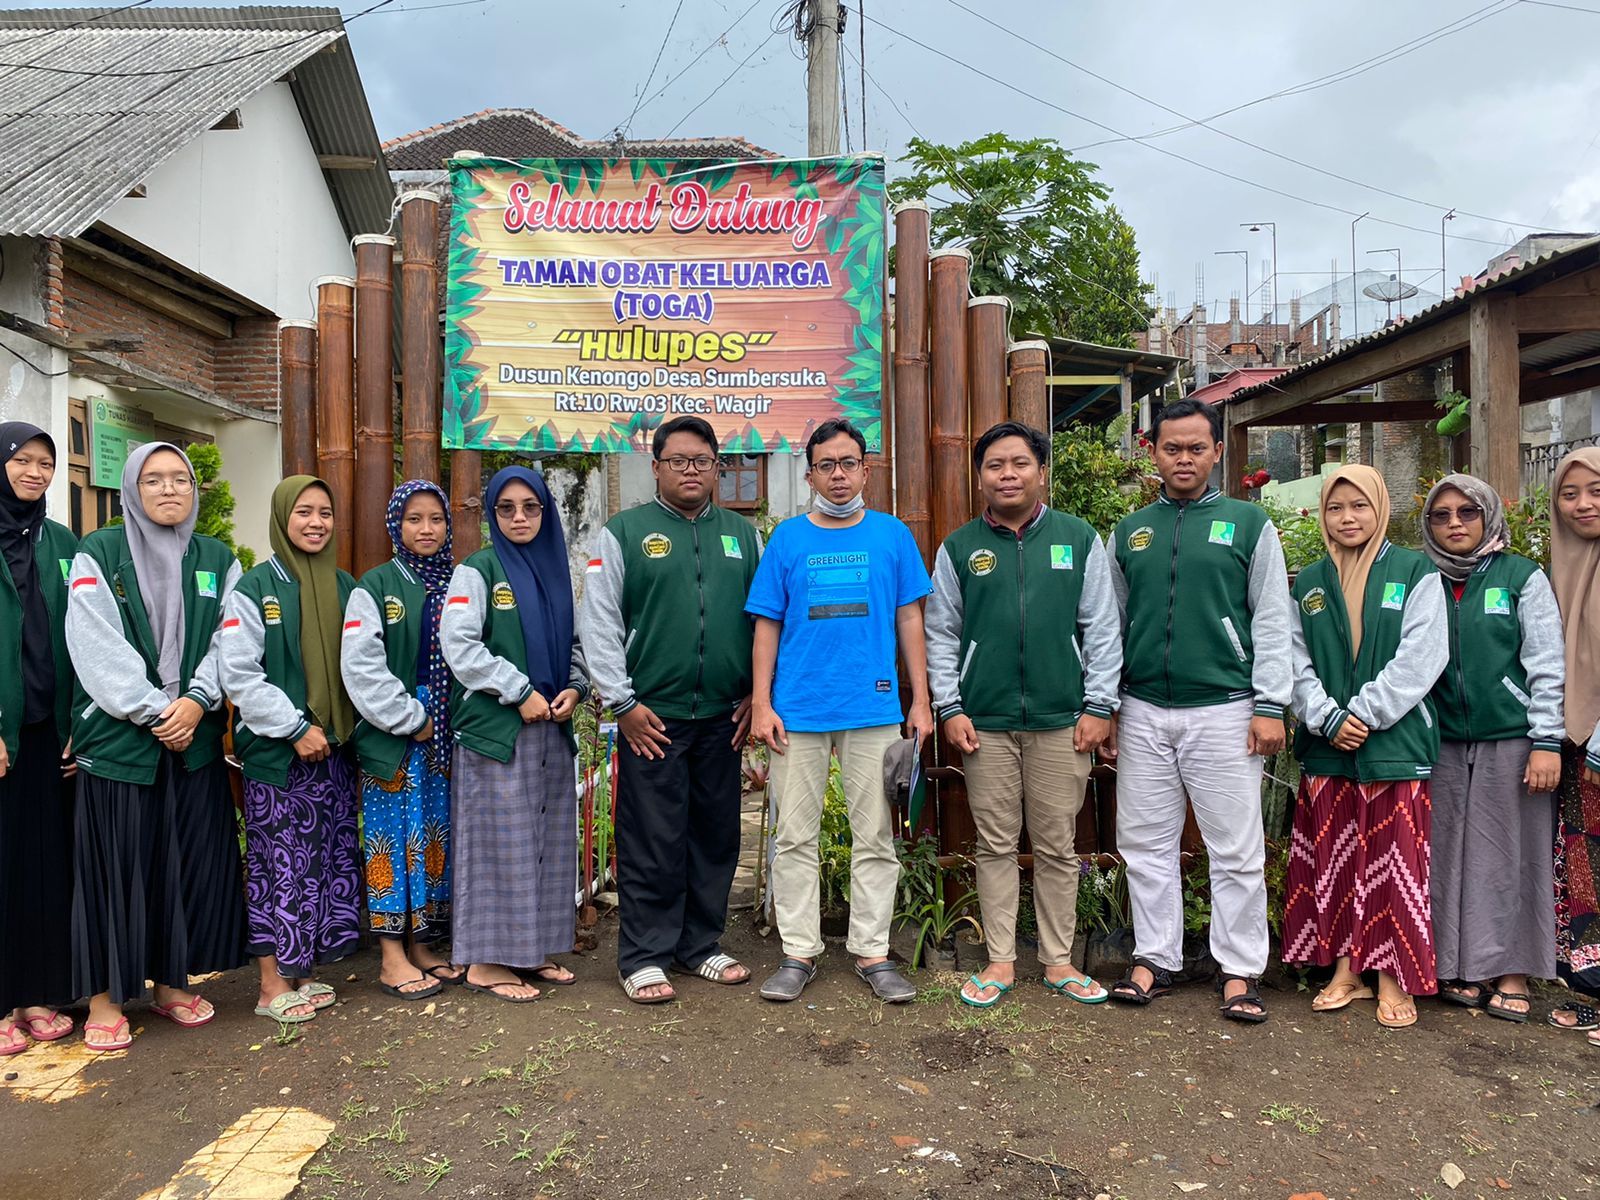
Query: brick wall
[(50, 282), (243, 368)]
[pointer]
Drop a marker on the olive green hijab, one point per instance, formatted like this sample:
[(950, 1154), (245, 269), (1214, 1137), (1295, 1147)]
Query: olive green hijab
[(321, 614)]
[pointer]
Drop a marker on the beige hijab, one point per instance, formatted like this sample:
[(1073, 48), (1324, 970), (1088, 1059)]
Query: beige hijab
[(1575, 575), (1354, 563)]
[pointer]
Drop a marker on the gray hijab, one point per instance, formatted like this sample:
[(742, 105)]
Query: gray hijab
[(1496, 536), (157, 552)]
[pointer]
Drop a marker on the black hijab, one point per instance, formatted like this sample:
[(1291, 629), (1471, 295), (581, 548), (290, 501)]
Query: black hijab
[(21, 522)]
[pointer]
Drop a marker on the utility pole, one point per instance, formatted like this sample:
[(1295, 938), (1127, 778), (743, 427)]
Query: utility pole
[(822, 78)]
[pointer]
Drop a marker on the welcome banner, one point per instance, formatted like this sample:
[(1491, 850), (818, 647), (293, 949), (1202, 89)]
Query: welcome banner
[(590, 300)]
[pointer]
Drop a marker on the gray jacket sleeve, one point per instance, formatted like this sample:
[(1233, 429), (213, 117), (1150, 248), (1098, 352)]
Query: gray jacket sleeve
[(461, 641), (110, 669), (241, 645), (942, 623), (1419, 659), (1544, 661), (1316, 709), (1271, 614), (601, 629), (1119, 581), (205, 685), (1100, 634), (364, 663), (578, 673)]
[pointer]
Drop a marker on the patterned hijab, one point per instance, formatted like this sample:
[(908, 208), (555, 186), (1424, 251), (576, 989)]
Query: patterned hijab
[(1354, 563), (1496, 536), (433, 677), (1575, 576), (321, 614)]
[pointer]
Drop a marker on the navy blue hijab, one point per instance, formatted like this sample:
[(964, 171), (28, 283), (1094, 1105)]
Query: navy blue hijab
[(541, 580)]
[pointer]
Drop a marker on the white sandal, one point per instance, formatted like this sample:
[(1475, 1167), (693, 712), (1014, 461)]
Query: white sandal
[(643, 978), (714, 968)]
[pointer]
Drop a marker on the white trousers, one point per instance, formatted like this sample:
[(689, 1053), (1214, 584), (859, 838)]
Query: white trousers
[(1168, 755), (800, 782)]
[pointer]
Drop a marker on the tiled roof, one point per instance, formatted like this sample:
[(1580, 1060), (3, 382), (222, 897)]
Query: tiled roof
[(524, 133)]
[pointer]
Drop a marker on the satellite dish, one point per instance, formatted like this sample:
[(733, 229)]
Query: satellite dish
[(1390, 290)]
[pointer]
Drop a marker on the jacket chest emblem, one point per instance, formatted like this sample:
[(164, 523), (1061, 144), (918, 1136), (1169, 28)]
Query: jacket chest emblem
[(1221, 533), (271, 611), (502, 597), (1060, 558), (66, 568), (1497, 601), (205, 584), (1313, 602), (981, 562), (731, 547), (394, 610), (1141, 538), (1394, 595), (657, 545)]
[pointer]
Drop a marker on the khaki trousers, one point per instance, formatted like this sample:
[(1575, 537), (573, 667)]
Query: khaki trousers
[(800, 779), (1040, 774)]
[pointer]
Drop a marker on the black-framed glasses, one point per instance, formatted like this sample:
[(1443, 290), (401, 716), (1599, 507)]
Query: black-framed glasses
[(682, 464), (1440, 517), (510, 508), (827, 466)]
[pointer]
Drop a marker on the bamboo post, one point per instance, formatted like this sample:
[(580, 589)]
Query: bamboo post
[(297, 396), (1030, 395), (911, 459), (374, 473), (986, 370), (336, 414), (419, 335), (466, 502)]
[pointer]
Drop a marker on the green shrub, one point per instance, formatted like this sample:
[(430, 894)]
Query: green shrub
[(1091, 479)]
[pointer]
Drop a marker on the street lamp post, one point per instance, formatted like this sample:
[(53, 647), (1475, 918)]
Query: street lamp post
[(1255, 227), (1244, 296), (1444, 263), (1399, 275), (1355, 296)]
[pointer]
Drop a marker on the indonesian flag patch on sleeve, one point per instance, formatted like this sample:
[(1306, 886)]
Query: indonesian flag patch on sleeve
[(457, 600), (594, 565), (90, 581), (352, 626)]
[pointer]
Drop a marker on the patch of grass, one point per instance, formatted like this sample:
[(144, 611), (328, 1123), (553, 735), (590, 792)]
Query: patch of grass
[(1302, 1118), (288, 1034), (562, 1149), (380, 1060), (323, 1171), (501, 1138), (496, 1074), (484, 1047), (356, 1110), (434, 1169), (1002, 1018), (397, 1169), (510, 1110)]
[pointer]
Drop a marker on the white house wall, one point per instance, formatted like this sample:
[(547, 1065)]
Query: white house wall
[(37, 393)]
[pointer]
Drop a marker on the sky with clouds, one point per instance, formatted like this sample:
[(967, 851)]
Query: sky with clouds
[(1491, 108)]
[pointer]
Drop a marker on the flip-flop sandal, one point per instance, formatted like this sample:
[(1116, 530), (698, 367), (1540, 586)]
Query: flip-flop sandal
[(492, 989), (645, 977), (539, 973), (447, 979), (1060, 988), (984, 985), (171, 1011), (277, 1009), (398, 990), (789, 980), (1395, 1022), (318, 995), (715, 968), (49, 1035), (1126, 991), (1593, 1041), (121, 1043), (1233, 1007), (1455, 992), (1588, 1018), (17, 1046), (887, 983), (1508, 1014), (1330, 999)]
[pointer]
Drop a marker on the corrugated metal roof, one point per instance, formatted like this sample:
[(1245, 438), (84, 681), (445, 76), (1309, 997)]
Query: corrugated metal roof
[(92, 101), (1554, 265)]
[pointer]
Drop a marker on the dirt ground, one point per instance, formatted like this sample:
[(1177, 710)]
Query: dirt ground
[(723, 1095)]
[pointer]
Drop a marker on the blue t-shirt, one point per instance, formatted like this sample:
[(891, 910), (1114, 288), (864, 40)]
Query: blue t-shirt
[(836, 592)]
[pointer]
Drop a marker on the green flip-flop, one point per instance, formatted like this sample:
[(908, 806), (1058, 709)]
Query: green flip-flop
[(983, 985), (278, 1009), (1059, 987)]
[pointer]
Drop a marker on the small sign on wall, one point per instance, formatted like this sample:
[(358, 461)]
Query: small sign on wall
[(114, 430)]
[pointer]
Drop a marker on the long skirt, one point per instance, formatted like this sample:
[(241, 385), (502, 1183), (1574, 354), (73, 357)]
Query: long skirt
[(1493, 872), (303, 865), (1358, 879), (406, 828), (208, 865), (35, 874), (515, 827), (128, 919), (1577, 870)]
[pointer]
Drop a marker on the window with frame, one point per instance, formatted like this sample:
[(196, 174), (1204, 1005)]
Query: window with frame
[(742, 481)]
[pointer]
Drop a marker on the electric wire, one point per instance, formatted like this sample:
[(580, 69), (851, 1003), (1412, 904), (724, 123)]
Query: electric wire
[(726, 80), (650, 78)]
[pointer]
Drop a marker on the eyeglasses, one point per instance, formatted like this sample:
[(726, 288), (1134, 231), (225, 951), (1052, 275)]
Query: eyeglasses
[(1440, 517), (510, 508), (683, 465), (155, 484), (827, 466)]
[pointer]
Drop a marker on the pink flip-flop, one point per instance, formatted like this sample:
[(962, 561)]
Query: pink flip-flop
[(7, 1051), (122, 1044), (49, 1035), (170, 1012)]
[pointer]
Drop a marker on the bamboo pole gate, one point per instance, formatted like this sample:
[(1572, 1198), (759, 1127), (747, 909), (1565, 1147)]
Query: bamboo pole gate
[(987, 320), (297, 396), (336, 415), (419, 335), (374, 465)]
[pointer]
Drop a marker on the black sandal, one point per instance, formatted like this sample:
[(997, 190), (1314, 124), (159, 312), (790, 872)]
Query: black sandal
[(1509, 1014), (1455, 992), (1234, 1008), (1587, 1018), (1126, 991)]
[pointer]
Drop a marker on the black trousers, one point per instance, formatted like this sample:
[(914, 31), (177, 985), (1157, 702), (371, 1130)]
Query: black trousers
[(677, 824)]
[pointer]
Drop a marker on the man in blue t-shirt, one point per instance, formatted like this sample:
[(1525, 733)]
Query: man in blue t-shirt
[(837, 589)]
